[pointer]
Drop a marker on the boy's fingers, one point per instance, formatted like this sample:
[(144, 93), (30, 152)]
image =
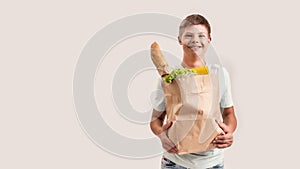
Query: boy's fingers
[(173, 151), (221, 145), (220, 141), (166, 126), (220, 138), (223, 138), (223, 126), (170, 148)]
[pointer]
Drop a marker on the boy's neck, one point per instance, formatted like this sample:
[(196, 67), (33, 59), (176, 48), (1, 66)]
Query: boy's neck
[(192, 62)]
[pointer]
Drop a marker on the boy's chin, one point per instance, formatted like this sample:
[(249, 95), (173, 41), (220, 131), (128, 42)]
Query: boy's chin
[(196, 53), (196, 50)]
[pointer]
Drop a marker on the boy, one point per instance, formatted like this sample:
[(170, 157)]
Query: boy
[(194, 36)]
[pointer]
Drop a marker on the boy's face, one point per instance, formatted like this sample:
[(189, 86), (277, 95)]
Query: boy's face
[(195, 40)]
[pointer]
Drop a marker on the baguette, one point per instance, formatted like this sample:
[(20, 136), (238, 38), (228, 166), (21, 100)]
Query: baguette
[(159, 60)]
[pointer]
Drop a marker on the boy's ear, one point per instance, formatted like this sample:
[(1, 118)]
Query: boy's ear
[(179, 40)]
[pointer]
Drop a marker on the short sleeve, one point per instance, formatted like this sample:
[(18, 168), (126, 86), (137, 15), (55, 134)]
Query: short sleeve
[(158, 98), (226, 97)]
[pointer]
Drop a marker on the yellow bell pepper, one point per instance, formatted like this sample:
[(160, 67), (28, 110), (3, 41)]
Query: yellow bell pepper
[(203, 70)]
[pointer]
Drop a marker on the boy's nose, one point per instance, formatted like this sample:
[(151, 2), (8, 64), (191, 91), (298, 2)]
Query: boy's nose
[(195, 40)]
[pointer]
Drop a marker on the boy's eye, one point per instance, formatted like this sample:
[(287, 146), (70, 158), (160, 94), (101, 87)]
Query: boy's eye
[(202, 36), (188, 35)]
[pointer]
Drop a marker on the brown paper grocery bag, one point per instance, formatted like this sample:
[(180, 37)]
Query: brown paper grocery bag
[(192, 104)]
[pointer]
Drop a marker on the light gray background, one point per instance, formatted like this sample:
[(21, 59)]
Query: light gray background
[(41, 42)]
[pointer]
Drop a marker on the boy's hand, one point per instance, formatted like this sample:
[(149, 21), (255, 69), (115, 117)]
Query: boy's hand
[(166, 142), (225, 140)]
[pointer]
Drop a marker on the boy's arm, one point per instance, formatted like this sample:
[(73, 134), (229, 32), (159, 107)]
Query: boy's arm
[(229, 118), (157, 120), (159, 130), (228, 125)]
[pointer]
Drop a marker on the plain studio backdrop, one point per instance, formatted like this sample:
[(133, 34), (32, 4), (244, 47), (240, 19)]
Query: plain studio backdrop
[(41, 42)]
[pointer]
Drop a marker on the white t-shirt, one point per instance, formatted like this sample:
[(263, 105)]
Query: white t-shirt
[(211, 157)]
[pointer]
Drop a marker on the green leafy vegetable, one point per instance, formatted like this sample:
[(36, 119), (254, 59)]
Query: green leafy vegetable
[(178, 72)]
